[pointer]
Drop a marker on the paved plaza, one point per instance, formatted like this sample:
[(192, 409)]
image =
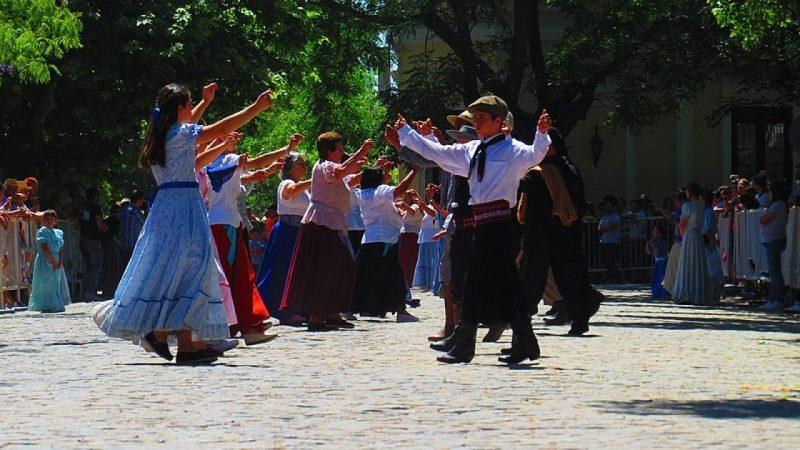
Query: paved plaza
[(650, 374)]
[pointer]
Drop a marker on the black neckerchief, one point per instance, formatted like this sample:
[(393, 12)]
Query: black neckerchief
[(480, 156)]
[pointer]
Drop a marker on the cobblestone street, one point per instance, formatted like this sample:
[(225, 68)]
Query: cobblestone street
[(649, 374)]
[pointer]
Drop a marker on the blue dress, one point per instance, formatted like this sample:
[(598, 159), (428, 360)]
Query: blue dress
[(660, 256), (426, 274), (47, 291), (275, 267), (692, 283), (171, 282)]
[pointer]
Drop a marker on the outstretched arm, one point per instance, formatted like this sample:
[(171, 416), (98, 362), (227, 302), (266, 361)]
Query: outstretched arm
[(208, 96), (269, 158), (452, 158), (232, 123), (403, 186), (263, 174), (355, 162), (211, 152), (292, 190)]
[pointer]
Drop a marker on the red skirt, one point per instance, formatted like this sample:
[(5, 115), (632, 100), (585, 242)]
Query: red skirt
[(409, 252), (250, 309), (322, 274)]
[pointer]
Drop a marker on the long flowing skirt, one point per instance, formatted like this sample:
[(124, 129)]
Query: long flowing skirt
[(426, 274), (322, 273), (235, 261), (692, 283), (171, 281), (47, 290), (380, 285), (672, 267), (657, 285), (225, 290), (271, 281), (409, 252)]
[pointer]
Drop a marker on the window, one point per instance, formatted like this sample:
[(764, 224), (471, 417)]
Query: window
[(761, 141)]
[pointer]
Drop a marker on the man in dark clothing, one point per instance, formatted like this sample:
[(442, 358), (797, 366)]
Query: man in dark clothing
[(90, 219), (553, 203)]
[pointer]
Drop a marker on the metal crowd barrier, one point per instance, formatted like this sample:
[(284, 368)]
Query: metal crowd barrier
[(17, 253), (632, 255)]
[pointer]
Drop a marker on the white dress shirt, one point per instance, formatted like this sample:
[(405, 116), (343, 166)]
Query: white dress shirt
[(222, 206), (381, 218), (506, 163), (296, 206)]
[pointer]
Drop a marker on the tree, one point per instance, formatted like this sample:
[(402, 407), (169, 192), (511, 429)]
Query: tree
[(765, 50), (33, 34), (642, 59), (92, 116)]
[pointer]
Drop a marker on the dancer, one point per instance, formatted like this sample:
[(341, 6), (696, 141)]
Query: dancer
[(552, 207), (322, 272), (355, 223), (171, 284), (493, 167), (47, 290), (426, 274), (409, 235), (293, 201), (227, 174), (692, 283), (380, 285)]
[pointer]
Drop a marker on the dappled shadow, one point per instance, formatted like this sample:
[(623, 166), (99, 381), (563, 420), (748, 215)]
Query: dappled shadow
[(712, 409), (79, 343)]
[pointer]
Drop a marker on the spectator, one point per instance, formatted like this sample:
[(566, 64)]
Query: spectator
[(635, 217), (90, 221), (610, 237), (109, 240), (131, 223), (773, 236), (796, 190), (759, 184)]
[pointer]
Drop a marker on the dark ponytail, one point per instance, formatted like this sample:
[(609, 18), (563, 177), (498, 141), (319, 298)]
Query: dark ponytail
[(163, 116)]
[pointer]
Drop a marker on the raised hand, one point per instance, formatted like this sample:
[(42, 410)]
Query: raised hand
[(274, 168), (209, 92), (424, 127), (544, 122), (365, 147), (382, 161), (391, 136), (264, 101), (296, 139), (400, 122)]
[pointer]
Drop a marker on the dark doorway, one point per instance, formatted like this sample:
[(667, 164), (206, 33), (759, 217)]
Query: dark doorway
[(761, 141)]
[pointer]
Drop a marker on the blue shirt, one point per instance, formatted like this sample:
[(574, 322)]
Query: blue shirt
[(614, 234), (131, 221)]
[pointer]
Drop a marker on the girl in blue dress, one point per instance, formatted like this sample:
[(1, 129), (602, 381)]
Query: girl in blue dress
[(426, 275), (48, 293), (171, 283), (658, 248)]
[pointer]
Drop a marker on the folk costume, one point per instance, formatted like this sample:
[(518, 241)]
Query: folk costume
[(493, 168)]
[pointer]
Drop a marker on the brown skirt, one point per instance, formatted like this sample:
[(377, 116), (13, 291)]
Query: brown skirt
[(322, 274), (409, 252)]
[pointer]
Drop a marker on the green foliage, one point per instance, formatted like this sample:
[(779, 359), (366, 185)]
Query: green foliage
[(92, 116), (33, 35), (751, 21)]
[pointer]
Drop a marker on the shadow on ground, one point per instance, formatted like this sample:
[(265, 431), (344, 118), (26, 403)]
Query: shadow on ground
[(712, 409)]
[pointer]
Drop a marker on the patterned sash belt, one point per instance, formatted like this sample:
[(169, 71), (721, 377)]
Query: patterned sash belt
[(484, 213)]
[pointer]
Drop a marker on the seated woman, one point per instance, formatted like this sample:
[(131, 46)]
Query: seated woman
[(49, 292)]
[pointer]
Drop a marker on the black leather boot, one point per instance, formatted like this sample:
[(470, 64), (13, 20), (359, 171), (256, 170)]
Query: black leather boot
[(464, 349), (447, 344), (526, 345), (508, 350)]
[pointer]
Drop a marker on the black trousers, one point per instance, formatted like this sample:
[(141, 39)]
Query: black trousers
[(493, 289), (460, 253), (558, 247)]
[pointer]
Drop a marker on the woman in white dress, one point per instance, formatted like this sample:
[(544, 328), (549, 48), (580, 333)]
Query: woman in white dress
[(692, 282)]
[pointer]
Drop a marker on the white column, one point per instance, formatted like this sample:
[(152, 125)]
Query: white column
[(685, 146), (630, 165), (726, 128)]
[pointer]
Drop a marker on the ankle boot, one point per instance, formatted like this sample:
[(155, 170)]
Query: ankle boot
[(464, 349), (526, 346), (447, 344)]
